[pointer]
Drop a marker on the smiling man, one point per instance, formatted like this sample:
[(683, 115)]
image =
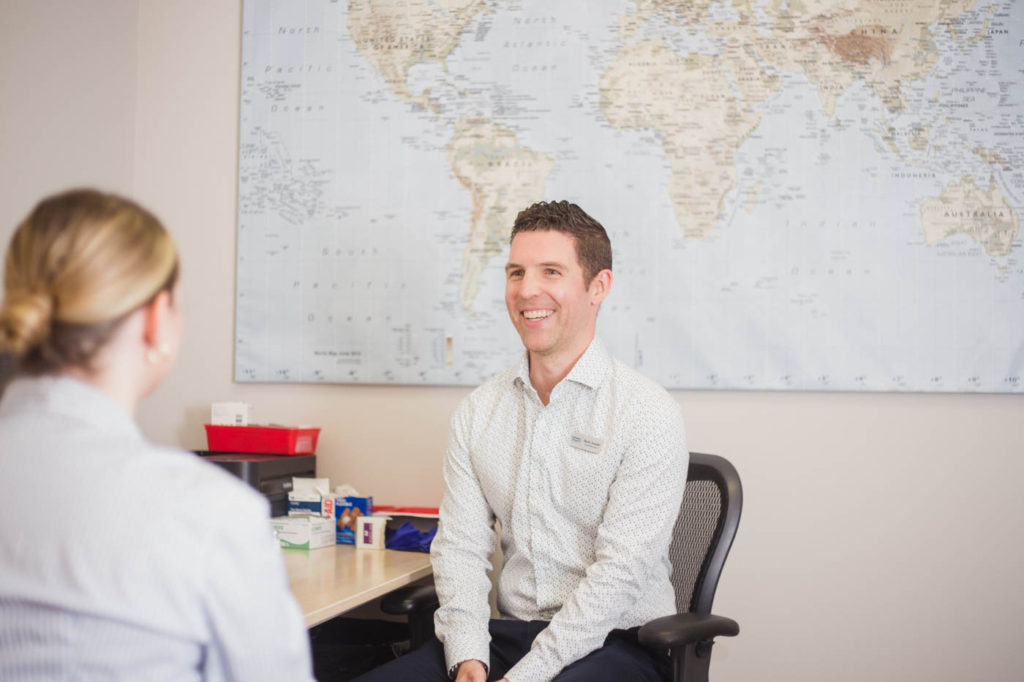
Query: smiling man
[(582, 463), (553, 298)]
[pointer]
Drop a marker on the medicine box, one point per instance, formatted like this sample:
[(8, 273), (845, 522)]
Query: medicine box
[(303, 532), (347, 511), (370, 532), (301, 504)]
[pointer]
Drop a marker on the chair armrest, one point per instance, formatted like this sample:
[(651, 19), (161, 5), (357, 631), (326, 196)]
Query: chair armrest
[(411, 599), (685, 628)]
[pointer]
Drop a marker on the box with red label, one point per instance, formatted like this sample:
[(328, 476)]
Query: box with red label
[(265, 440), (311, 496)]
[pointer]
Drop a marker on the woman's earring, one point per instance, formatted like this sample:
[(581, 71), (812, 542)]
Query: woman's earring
[(158, 354)]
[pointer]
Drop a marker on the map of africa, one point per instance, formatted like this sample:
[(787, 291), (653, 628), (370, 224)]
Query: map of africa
[(801, 195)]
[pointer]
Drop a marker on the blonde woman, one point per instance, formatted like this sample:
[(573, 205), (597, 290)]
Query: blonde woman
[(119, 560)]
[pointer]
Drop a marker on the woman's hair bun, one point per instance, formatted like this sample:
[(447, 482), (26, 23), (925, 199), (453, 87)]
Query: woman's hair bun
[(25, 320), (76, 267)]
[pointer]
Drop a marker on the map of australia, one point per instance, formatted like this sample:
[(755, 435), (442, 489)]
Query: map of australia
[(801, 196)]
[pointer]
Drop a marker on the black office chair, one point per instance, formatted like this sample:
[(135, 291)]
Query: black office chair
[(707, 523), (704, 531)]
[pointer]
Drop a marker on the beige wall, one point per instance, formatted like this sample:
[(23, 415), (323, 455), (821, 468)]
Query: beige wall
[(67, 99), (881, 537)]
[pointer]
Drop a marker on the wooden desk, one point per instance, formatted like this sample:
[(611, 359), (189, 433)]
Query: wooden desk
[(331, 580)]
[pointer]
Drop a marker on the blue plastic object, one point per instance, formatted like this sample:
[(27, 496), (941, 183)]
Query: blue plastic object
[(409, 538)]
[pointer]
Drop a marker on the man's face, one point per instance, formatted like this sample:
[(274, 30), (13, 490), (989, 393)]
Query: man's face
[(552, 307)]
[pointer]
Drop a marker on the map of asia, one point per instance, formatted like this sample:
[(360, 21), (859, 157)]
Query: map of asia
[(801, 195)]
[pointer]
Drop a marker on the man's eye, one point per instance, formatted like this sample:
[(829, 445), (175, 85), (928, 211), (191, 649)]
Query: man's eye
[(552, 271)]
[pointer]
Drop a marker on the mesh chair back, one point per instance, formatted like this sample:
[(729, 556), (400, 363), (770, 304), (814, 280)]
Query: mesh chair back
[(704, 531)]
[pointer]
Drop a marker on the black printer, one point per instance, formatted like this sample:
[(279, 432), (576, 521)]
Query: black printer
[(269, 474)]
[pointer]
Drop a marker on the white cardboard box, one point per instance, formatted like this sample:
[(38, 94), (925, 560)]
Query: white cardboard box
[(370, 532), (311, 496), (230, 414), (301, 504), (303, 532)]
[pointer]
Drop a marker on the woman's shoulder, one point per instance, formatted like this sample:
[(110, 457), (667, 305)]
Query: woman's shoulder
[(179, 474)]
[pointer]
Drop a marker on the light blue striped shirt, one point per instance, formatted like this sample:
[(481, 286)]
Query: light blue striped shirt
[(124, 561)]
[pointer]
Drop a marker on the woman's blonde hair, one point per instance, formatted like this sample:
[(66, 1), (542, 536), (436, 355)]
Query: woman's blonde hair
[(76, 267)]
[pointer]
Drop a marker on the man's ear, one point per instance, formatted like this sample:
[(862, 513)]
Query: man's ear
[(600, 286)]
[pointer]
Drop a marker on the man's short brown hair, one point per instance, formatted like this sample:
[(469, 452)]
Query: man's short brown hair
[(593, 248)]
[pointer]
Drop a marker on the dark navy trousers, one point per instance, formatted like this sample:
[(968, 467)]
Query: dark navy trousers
[(621, 658)]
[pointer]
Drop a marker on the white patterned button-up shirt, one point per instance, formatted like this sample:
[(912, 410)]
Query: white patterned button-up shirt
[(586, 491)]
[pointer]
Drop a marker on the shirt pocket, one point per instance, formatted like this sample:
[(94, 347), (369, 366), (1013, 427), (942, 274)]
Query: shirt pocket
[(581, 481)]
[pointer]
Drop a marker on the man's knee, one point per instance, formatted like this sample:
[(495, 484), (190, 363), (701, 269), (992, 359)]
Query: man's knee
[(617, 660)]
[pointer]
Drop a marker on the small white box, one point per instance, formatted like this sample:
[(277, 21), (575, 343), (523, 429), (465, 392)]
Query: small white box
[(310, 496), (370, 532), (230, 414), (303, 532), (300, 504)]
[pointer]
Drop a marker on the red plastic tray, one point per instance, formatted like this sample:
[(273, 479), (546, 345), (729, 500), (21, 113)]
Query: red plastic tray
[(428, 512), (265, 440)]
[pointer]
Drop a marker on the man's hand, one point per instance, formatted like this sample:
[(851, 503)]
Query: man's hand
[(471, 671)]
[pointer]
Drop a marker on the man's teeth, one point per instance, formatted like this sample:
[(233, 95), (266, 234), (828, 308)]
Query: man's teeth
[(536, 314)]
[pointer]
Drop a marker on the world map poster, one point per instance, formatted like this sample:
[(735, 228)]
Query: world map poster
[(801, 195)]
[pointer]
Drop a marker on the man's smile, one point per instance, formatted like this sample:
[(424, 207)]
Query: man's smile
[(537, 314)]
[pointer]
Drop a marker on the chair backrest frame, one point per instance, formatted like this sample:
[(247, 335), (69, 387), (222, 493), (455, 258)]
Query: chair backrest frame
[(720, 472)]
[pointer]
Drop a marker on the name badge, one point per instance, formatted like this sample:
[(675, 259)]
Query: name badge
[(586, 443)]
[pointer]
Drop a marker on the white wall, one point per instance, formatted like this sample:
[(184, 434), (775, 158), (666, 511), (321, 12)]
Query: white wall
[(881, 536)]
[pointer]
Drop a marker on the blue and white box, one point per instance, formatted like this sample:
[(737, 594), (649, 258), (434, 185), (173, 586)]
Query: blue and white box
[(347, 511)]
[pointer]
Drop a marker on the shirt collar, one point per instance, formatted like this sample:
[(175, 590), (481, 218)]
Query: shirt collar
[(590, 370), (69, 397)]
